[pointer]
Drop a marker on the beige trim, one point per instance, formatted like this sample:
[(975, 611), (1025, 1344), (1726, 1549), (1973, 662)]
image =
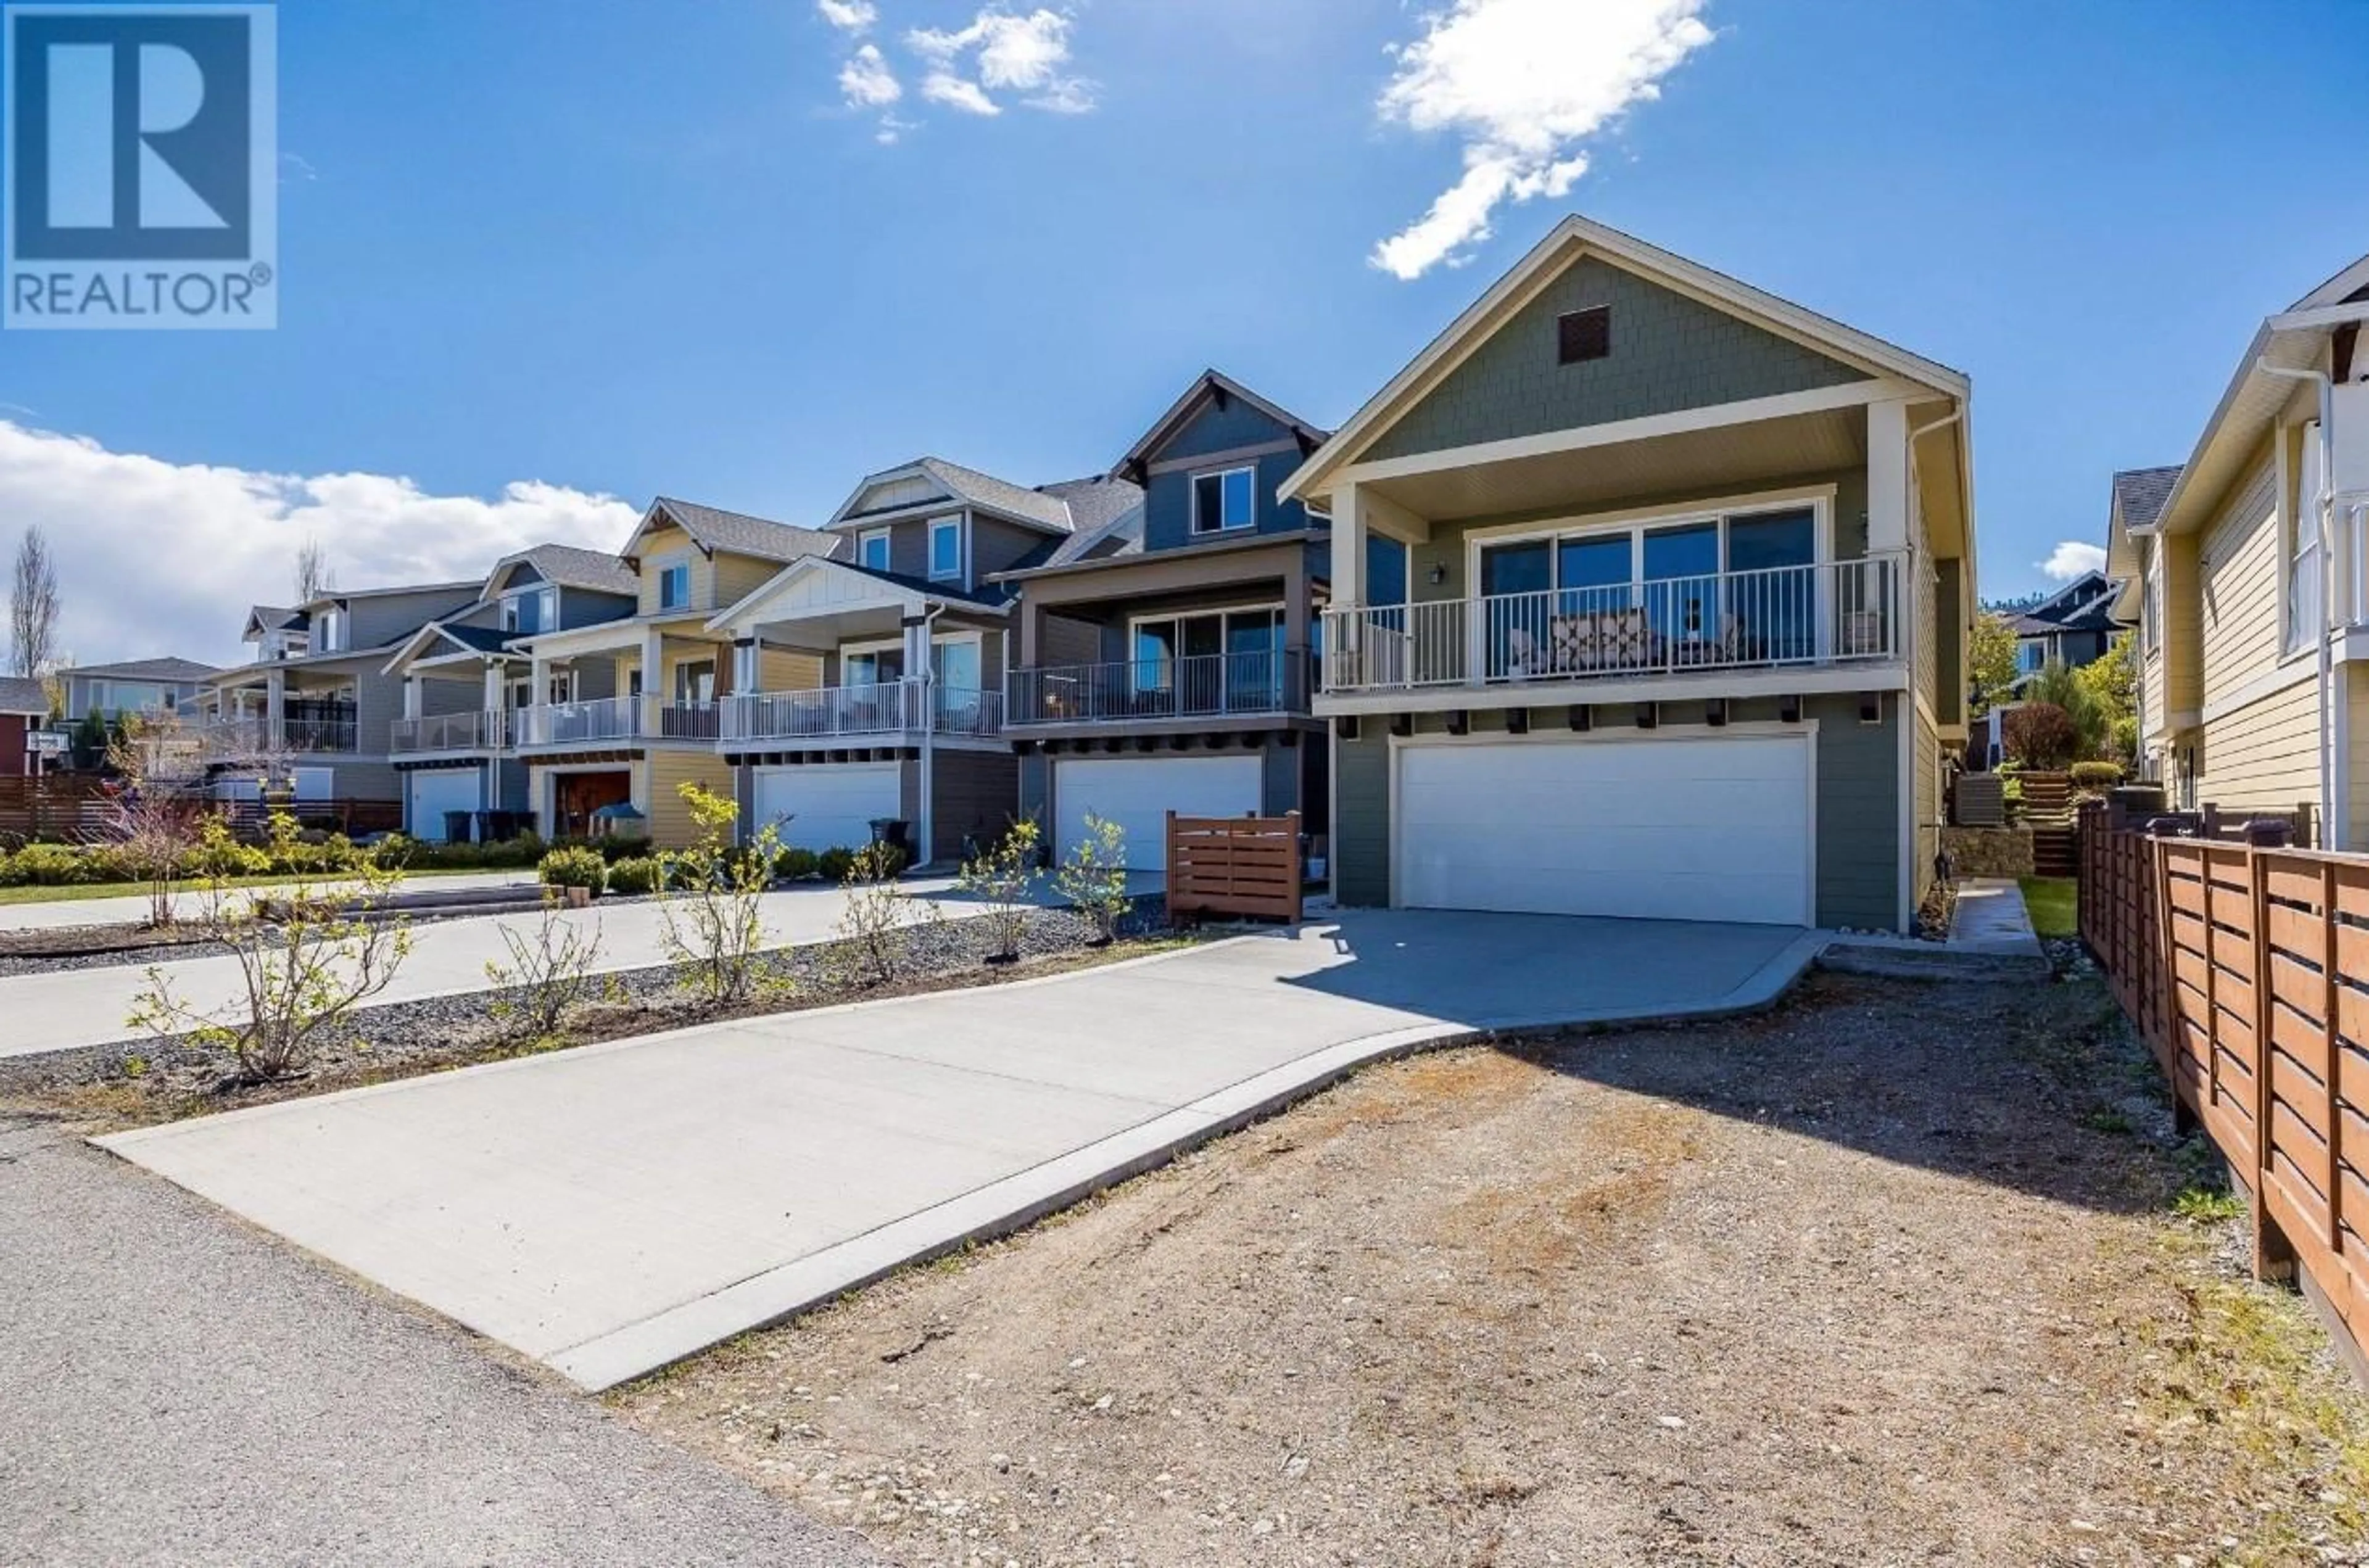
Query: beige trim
[(1573, 237), (1604, 692)]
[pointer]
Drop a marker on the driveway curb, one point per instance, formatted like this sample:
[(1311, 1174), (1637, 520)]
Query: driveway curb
[(1018, 1201)]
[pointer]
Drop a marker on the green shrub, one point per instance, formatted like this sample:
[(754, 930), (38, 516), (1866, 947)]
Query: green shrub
[(223, 856), (617, 848), (835, 864), (2096, 776), (794, 865), (639, 875), (395, 851), (47, 865), (574, 868)]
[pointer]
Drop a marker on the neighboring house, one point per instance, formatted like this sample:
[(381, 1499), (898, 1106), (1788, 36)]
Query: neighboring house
[(315, 703), (628, 709), (1164, 660), (24, 708), (115, 692), (2073, 626), (1651, 594), (468, 679), (2221, 564), (870, 673)]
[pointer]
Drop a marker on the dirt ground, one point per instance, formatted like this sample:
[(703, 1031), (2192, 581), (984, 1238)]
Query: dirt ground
[(1894, 1275)]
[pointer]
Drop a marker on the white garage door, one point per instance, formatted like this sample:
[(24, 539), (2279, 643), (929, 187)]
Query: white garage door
[(1137, 793), (1711, 829), (432, 793), (828, 805)]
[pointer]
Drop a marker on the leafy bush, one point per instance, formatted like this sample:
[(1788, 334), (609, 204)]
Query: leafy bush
[(550, 970), (1000, 878), (2042, 735), (796, 865), (637, 876), (713, 912), (574, 868), (1093, 875), (49, 865), (2096, 776), (835, 864), (874, 921)]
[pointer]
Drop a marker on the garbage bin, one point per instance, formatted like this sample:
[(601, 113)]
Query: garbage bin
[(456, 825)]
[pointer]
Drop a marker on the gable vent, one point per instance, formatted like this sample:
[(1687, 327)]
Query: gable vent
[(1582, 335)]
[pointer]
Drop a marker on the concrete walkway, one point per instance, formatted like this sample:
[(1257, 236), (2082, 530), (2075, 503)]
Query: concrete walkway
[(1991, 919), (610, 1209), (49, 914), (64, 1009)]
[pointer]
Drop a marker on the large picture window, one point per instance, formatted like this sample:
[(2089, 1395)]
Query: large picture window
[(1217, 661)]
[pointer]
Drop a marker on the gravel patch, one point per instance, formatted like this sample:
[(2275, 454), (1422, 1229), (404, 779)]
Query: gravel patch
[(1884, 1275)]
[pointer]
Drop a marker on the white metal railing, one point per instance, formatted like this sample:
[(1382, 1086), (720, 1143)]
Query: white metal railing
[(1196, 686), (890, 707), (227, 740), (645, 718), (1829, 613), (476, 731)]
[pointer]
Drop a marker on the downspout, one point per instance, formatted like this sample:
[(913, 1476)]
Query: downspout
[(928, 848), (1912, 844), (2335, 723)]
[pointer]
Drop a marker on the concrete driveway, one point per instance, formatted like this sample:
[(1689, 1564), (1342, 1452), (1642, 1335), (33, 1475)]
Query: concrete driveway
[(69, 1008), (612, 1208)]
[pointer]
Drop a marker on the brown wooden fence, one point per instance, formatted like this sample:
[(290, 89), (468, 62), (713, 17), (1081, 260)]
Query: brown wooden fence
[(2244, 968), (1245, 866), (62, 807)]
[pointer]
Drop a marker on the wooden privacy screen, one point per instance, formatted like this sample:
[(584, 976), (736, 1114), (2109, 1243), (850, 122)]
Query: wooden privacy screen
[(2246, 969), (1234, 866), (60, 807)]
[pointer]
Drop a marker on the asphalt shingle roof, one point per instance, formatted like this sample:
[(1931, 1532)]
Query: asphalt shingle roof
[(148, 669), (999, 495), (991, 599), (273, 617), (20, 696), (717, 529), (2141, 492), (571, 567)]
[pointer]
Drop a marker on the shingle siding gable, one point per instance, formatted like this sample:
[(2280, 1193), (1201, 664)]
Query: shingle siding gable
[(1669, 352)]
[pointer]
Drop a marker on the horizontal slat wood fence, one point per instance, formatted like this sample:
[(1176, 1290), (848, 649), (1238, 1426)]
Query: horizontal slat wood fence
[(2247, 969), (1246, 866), (62, 809)]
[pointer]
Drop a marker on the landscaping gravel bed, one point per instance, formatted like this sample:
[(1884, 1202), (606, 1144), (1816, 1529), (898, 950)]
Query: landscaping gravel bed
[(402, 1037)]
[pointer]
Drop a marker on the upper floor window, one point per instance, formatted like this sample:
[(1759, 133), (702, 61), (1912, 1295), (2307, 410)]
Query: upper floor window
[(1582, 335), (2304, 577), (946, 548), (2151, 598), (674, 586), (872, 549), (1227, 498), (536, 609), (330, 627)]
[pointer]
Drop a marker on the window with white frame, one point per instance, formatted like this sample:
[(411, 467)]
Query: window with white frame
[(330, 628), (872, 549), (2151, 598), (2304, 574), (2030, 656), (945, 548), (1225, 499), (674, 585), (531, 610)]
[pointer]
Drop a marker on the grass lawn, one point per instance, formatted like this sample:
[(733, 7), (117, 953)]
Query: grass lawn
[(41, 895), (2054, 905)]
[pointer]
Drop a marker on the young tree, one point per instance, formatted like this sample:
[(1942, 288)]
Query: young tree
[(550, 970), (1093, 875), (1991, 661), (1001, 877), (2054, 685), (33, 606), (714, 893), (2041, 735), (2112, 685), (158, 830), (876, 921), (314, 577)]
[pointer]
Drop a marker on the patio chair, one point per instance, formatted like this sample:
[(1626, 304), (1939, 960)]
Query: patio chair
[(1577, 642), (1522, 659), (1628, 640)]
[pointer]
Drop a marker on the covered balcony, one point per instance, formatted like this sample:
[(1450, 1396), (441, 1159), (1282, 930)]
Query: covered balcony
[(608, 721), (876, 712), (247, 727), (1258, 683), (438, 735)]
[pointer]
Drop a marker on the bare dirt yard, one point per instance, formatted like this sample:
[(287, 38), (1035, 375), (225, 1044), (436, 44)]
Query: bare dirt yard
[(1898, 1274)]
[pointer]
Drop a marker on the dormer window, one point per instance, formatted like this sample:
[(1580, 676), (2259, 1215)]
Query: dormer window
[(1225, 499), (674, 585), (945, 548), (331, 626), (872, 549)]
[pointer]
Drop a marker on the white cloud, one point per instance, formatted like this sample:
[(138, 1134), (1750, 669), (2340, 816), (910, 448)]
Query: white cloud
[(865, 81), (957, 92), (1524, 82), (1024, 54), (157, 557), (2073, 557), (849, 16)]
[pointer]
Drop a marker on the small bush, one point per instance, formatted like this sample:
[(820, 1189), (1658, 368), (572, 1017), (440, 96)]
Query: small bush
[(637, 876), (2041, 735), (796, 865), (833, 864), (2096, 776), (574, 868), (49, 865)]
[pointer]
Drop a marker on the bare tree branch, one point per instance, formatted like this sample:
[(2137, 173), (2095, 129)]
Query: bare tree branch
[(314, 577), (33, 606)]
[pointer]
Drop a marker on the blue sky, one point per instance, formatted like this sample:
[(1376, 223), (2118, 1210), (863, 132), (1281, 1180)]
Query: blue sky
[(626, 249)]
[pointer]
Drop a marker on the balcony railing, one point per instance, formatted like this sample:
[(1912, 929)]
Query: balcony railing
[(230, 739), (1217, 685), (886, 708), (607, 719), (1830, 612), (487, 732)]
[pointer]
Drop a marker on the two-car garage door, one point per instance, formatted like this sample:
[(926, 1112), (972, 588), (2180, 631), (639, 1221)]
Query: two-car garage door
[(1716, 829), (1137, 793)]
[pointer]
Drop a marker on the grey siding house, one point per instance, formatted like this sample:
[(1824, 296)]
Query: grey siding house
[(1650, 594), (1165, 662)]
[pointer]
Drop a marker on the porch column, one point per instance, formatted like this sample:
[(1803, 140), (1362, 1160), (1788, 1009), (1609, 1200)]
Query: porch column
[(653, 669), (493, 698), (275, 708), (1887, 476), (413, 699), (1295, 628), (1348, 577)]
